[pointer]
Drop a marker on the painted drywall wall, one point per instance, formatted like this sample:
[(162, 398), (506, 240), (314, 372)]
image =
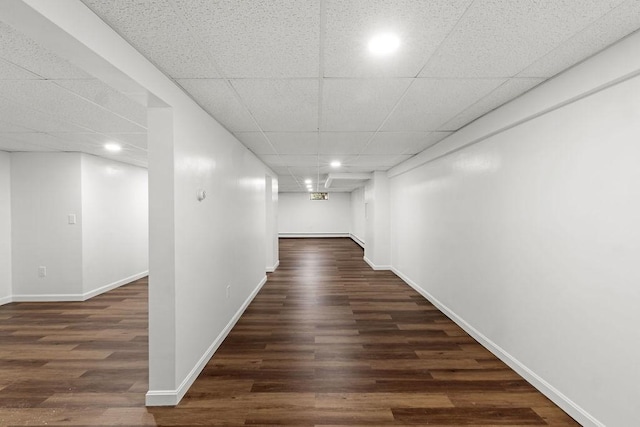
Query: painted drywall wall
[(5, 228), (357, 225), (271, 220), (530, 237), (300, 216), (45, 190), (198, 248), (115, 226), (377, 249)]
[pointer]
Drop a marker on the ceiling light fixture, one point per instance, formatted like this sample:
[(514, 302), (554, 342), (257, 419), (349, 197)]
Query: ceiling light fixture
[(113, 147), (335, 164), (384, 44), (307, 181)]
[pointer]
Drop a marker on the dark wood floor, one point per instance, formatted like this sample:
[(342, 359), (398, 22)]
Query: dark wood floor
[(327, 341)]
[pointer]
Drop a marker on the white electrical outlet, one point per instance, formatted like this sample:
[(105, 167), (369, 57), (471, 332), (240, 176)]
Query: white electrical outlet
[(228, 291), (42, 271)]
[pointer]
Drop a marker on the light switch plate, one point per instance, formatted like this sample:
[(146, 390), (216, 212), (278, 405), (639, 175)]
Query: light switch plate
[(72, 218)]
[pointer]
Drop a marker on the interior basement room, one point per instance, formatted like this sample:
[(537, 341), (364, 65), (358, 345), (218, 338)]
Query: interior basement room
[(319, 212)]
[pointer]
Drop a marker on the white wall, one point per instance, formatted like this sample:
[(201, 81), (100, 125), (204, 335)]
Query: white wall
[(300, 216), (271, 221), (530, 237), (5, 228), (357, 225), (377, 250), (45, 189), (115, 227)]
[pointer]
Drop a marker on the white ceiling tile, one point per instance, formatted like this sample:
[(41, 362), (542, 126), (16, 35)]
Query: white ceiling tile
[(304, 172), (8, 143), (431, 102), (286, 143), (498, 38), (293, 160), (618, 23), (420, 25), (504, 93), (340, 143), (281, 105), (378, 160), (20, 50), (138, 140), (395, 143), (10, 127), (101, 94), (277, 38), (219, 100), (45, 96), (9, 71), (156, 31), (23, 116), (256, 142), (359, 104)]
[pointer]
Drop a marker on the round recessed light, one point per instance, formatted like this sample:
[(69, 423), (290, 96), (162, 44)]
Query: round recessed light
[(310, 190), (113, 147), (384, 44), (335, 164), (307, 181)]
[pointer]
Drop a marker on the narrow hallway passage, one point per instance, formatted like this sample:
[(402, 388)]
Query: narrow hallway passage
[(328, 341)]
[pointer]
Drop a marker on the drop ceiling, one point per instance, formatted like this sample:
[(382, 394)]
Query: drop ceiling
[(294, 81), (47, 104)]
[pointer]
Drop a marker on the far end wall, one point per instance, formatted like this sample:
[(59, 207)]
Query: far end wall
[(300, 216)]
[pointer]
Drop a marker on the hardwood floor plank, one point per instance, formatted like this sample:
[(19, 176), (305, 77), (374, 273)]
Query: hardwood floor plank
[(327, 341)]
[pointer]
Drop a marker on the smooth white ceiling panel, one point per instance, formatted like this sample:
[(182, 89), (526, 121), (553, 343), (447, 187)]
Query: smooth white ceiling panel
[(420, 25), (613, 26), (105, 96), (156, 31), (359, 104), (25, 53), (431, 102), (341, 143), (260, 38), (497, 38), (511, 89), (220, 101), (281, 105), (256, 142)]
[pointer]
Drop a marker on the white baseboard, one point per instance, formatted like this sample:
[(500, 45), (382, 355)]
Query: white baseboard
[(356, 239), (376, 267), (173, 397), (6, 300), (78, 297), (273, 267), (311, 235), (114, 285), (48, 298), (569, 406)]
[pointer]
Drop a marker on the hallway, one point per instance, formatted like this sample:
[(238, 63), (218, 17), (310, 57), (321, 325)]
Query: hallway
[(327, 341)]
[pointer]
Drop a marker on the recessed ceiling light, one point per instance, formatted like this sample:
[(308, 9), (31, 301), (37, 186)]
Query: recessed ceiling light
[(113, 147), (307, 181), (310, 189), (335, 164), (384, 44)]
